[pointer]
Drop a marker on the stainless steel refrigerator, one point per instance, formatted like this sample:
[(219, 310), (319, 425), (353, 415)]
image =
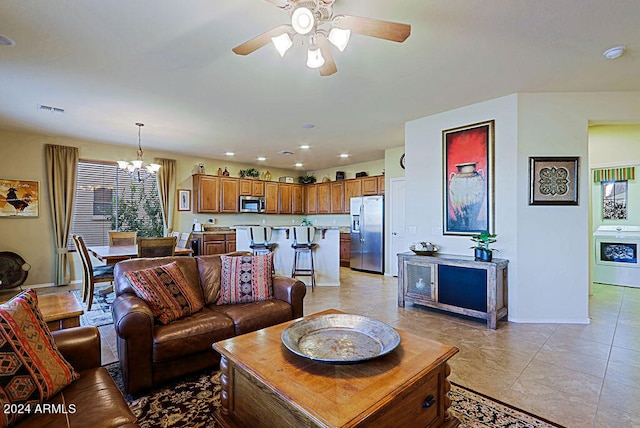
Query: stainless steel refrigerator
[(367, 233)]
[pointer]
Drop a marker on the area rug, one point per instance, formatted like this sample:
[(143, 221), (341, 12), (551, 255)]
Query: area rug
[(192, 401), (100, 313)]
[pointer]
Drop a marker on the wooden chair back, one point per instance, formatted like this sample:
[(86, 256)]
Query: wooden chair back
[(156, 247), (90, 276), (120, 239)]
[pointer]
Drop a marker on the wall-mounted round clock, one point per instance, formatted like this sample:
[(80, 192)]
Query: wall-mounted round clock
[(402, 161)]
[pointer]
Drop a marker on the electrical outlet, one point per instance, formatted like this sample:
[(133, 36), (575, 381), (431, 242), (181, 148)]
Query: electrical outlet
[(435, 230), (412, 230)]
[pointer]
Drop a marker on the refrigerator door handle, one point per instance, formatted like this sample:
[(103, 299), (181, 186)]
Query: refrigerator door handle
[(362, 225)]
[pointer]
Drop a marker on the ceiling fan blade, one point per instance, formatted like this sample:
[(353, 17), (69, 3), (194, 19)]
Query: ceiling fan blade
[(329, 66), (393, 31), (259, 41)]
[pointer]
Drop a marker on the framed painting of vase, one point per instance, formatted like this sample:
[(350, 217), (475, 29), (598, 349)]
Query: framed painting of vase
[(468, 179)]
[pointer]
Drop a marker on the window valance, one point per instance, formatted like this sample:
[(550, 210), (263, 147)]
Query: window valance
[(614, 174)]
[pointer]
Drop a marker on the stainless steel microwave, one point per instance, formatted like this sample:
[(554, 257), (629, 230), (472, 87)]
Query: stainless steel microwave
[(252, 204)]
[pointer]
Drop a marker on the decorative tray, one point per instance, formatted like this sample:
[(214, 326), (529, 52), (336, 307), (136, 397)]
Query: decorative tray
[(424, 253), (340, 338)]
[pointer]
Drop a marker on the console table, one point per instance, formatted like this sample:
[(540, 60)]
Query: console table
[(455, 283)]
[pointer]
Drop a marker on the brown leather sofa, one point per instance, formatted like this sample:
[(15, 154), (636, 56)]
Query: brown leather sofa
[(96, 400), (151, 353)]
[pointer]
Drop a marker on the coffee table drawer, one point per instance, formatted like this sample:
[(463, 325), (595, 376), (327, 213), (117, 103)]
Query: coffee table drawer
[(408, 408)]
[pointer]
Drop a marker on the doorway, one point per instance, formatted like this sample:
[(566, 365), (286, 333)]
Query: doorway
[(397, 222)]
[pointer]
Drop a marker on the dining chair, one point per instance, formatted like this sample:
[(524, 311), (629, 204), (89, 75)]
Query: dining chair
[(120, 239), (156, 247), (176, 234), (183, 239), (90, 275)]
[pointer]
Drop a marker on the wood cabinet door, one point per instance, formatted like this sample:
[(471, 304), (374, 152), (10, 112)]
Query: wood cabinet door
[(381, 185), (352, 189), (284, 198), (324, 198), (311, 198), (297, 199), (369, 186), (231, 242), (206, 193), (271, 197), (214, 247), (246, 187), (345, 249), (257, 188), (337, 198), (229, 194)]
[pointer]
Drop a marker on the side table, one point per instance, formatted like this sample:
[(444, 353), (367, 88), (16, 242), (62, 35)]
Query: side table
[(60, 310)]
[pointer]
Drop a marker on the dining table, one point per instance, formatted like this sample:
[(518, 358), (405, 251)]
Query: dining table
[(114, 254)]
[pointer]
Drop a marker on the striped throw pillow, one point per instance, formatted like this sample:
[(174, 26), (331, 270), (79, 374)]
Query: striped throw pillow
[(246, 279)]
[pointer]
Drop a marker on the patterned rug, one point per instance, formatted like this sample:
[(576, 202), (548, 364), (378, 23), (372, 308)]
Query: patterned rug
[(100, 313), (192, 401)]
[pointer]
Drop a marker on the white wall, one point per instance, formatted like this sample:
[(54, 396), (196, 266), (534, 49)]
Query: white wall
[(547, 246)]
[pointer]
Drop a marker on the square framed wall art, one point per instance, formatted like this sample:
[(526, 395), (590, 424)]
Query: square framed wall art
[(553, 180), (19, 198), (468, 179)]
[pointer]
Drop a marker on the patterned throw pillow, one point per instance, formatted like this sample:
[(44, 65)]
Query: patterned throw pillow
[(246, 279), (32, 370), (166, 290)]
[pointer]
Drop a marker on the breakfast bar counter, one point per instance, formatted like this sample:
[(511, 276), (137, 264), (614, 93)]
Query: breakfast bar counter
[(326, 256)]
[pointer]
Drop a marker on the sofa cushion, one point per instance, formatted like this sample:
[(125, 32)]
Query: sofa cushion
[(249, 317), (32, 370), (167, 292), (246, 279), (96, 401), (190, 335), (209, 270)]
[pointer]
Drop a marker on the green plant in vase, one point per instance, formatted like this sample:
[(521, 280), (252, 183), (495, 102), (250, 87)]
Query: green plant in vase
[(483, 251), (249, 173), (307, 179)]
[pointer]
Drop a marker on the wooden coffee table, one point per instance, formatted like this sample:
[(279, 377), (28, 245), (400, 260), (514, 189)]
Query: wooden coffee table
[(266, 385), (60, 310)]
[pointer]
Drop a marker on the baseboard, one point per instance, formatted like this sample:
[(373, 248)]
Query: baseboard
[(549, 321)]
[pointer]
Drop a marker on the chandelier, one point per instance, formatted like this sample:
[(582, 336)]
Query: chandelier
[(136, 169)]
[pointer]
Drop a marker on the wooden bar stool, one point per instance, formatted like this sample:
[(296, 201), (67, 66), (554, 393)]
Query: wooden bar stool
[(259, 237), (303, 244)]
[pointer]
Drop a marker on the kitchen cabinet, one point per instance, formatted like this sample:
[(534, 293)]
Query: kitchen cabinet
[(246, 187), (352, 189), (337, 198), (456, 284), (324, 198), (380, 184), (214, 243), (345, 249), (206, 193), (271, 197), (257, 188), (369, 186), (284, 198), (229, 195), (311, 198), (297, 199)]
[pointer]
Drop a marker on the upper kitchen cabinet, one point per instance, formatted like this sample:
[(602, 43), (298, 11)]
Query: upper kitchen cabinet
[(257, 188), (369, 186), (324, 198), (352, 189), (337, 198), (380, 184), (271, 197), (284, 198), (311, 198), (229, 195), (297, 199), (246, 187), (206, 193)]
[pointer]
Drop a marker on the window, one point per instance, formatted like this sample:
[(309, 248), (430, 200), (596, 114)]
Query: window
[(614, 200), (108, 199)]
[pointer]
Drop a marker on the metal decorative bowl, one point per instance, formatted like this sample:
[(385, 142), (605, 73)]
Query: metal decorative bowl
[(424, 252), (340, 338)]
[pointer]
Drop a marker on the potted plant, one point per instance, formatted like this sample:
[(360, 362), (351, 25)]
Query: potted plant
[(307, 179), (249, 173), (482, 250)]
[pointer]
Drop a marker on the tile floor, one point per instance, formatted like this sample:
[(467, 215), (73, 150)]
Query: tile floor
[(575, 375)]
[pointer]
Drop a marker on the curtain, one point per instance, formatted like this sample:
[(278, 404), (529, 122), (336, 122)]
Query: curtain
[(62, 166), (167, 190), (613, 174)]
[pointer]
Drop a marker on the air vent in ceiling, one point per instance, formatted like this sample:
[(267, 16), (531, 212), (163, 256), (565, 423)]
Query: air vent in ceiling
[(50, 109), (5, 41), (285, 153)]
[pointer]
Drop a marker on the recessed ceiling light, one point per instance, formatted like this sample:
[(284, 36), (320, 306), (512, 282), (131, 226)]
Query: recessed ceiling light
[(298, 165), (305, 147), (308, 126), (614, 52), (229, 154), (262, 159), (344, 155)]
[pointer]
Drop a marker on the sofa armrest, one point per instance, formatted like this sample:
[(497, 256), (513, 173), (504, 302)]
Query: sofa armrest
[(134, 324), (80, 346), (292, 291)]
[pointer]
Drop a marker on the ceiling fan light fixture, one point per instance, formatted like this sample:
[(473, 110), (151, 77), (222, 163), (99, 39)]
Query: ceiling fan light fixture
[(282, 43), (302, 20), (314, 58), (339, 38)]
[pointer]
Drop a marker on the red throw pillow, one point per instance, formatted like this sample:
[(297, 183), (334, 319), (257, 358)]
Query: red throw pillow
[(167, 292), (246, 279), (32, 370)]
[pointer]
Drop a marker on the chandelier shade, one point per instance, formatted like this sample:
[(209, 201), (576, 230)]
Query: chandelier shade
[(136, 169)]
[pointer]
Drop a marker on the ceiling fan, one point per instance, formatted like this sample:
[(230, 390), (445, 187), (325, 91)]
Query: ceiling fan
[(314, 20)]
